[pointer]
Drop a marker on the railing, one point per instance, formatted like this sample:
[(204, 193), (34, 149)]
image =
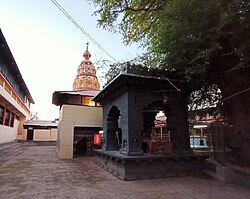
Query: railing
[(13, 93), (197, 141)]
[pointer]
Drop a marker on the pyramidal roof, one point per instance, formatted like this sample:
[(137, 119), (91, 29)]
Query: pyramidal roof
[(86, 78)]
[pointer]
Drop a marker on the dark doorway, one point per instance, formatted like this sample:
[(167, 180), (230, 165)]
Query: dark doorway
[(150, 112), (84, 141), (114, 133), (155, 135), (84, 147), (30, 134)]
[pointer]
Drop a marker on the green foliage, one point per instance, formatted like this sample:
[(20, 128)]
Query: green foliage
[(205, 41), (205, 98), (134, 19), (114, 70)]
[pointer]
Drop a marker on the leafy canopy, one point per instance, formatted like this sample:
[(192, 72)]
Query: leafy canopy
[(204, 41)]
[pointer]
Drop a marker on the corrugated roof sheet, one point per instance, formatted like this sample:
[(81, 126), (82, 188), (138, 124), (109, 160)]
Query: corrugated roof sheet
[(80, 92), (45, 123)]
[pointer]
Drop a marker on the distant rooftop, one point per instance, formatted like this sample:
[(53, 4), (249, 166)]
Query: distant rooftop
[(41, 123)]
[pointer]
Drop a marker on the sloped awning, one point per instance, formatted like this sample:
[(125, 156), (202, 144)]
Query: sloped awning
[(59, 97)]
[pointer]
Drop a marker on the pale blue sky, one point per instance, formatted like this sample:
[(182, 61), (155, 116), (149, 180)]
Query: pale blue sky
[(48, 48)]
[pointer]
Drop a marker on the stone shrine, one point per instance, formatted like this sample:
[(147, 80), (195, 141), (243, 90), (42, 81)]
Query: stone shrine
[(130, 103)]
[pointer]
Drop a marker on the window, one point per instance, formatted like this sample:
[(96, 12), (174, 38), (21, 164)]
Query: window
[(4, 70), (7, 117), (1, 114), (12, 118)]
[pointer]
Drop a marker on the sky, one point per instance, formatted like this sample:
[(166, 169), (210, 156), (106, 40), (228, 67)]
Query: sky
[(48, 48)]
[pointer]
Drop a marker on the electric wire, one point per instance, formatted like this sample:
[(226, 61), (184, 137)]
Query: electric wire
[(81, 29), (243, 91)]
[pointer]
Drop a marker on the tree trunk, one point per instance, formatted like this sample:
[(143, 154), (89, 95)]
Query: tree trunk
[(237, 111)]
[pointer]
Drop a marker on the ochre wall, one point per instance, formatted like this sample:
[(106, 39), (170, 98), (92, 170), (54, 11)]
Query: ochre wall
[(71, 116), (82, 115), (24, 135), (65, 137), (20, 135), (44, 135), (53, 134)]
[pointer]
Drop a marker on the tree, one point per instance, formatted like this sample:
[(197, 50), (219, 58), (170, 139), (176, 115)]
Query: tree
[(206, 42), (189, 36), (34, 116)]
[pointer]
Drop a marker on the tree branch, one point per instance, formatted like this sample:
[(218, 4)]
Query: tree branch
[(152, 7)]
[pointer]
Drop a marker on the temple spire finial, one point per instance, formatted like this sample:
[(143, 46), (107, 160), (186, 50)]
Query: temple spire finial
[(87, 46), (87, 54)]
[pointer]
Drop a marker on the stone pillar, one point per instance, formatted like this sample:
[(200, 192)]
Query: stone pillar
[(178, 123), (132, 138)]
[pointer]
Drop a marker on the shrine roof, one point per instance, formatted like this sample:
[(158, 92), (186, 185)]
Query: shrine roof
[(136, 76), (61, 94), (90, 93), (40, 123)]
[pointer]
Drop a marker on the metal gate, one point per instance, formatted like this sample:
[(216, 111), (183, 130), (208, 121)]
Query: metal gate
[(216, 141)]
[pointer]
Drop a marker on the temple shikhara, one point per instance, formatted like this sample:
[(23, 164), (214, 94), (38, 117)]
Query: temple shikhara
[(86, 75), (80, 117)]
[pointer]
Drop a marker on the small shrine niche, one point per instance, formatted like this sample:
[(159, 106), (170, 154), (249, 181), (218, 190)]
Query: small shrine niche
[(160, 141)]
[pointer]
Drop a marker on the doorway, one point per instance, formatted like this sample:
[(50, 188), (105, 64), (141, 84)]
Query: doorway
[(30, 133)]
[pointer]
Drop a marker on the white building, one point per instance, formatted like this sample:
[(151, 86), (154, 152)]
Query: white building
[(15, 98)]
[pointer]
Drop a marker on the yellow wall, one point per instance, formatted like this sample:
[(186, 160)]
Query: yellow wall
[(20, 127), (24, 135), (82, 115), (53, 134), (65, 137), (71, 116), (44, 135)]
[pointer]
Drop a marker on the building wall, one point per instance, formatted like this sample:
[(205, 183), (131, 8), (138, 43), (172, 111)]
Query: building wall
[(45, 135), (71, 116), (24, 135), (53, 134), (11, 101), (82, 115), (14, 95), (8, 94), (7, 133)]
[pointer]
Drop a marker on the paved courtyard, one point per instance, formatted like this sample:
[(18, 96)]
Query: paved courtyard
[(35, 172)]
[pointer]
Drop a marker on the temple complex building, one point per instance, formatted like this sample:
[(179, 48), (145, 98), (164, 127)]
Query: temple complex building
[(80, 117), (15, 98)]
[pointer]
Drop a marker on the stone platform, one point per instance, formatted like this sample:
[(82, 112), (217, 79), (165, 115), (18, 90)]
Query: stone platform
[(149, 166)]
